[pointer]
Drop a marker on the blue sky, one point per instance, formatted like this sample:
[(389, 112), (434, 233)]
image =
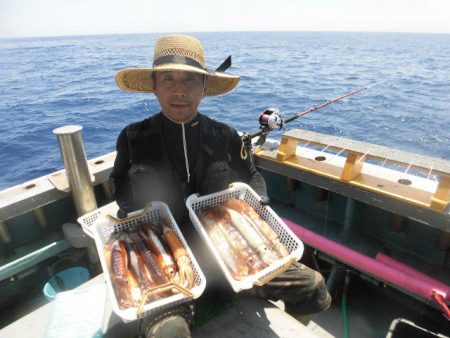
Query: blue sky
[(19, 18)]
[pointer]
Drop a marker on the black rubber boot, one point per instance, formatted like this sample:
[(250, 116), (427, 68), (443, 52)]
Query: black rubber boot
[(173, 323)]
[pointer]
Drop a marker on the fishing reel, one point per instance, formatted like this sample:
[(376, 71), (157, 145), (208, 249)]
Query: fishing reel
[(270, 119)]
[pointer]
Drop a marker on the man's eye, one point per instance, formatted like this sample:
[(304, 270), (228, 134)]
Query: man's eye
[(193, 80), (167, 77)]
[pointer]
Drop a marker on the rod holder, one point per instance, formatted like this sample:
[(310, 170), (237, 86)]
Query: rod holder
[(76, 167), (367, 166)]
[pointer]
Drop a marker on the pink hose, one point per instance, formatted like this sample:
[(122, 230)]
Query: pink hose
[(385, 259), (385, 272)]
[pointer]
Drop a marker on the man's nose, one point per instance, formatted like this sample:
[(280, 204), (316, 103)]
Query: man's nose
[(179, 88)]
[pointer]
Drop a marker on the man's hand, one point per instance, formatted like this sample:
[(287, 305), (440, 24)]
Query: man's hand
[(265, 200), (123, 211)]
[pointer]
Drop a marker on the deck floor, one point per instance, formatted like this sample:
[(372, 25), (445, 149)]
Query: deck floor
[(371, 310)]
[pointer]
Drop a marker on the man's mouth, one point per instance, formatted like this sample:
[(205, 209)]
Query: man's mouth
[(179, 104)]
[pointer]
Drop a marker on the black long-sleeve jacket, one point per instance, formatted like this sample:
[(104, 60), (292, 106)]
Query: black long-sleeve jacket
[(158, 160)]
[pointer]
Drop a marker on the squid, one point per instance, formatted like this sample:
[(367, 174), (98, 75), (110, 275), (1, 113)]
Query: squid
[(249, 233), (236, 241), (149, 259), (125, 285), (237, 266), (259, 224), (185, 276), (164, 258), (136, 264)]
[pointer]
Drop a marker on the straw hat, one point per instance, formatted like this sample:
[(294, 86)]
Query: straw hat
[(176, 53)]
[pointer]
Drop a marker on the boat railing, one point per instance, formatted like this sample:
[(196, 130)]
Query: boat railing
[(412, 178)]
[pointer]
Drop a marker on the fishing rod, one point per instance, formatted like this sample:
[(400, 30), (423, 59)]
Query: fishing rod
[(271, 118)]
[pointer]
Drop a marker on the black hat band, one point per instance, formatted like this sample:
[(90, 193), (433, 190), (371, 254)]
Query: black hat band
[(184, 60)]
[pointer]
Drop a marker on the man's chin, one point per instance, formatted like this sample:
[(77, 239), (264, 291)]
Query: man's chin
[(180, 116)]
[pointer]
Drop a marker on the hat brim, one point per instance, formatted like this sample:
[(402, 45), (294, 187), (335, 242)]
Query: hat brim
[(139, 80)]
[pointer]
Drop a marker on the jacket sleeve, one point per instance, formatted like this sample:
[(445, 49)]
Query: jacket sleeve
[(119, 182), (243, 166)]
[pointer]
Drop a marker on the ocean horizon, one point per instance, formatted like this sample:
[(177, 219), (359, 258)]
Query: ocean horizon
[(49, 82), (219, 32)]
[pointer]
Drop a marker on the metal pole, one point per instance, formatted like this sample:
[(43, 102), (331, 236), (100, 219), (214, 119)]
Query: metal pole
[(77, 171)]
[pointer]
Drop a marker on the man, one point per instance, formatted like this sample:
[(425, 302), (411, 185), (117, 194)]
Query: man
[(179, 151)]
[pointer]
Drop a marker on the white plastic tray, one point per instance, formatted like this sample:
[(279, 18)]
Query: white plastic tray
[(87, 220), (196, 204), (102, 229)]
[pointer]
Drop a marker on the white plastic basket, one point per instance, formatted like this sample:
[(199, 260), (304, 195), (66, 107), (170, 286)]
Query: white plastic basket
[(196, 204), (87, 220), (104, 227)]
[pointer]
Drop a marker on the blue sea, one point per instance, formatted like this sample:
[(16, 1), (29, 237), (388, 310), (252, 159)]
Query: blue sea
[(46, 83)]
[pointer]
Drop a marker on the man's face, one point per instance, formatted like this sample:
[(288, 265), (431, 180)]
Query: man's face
[(179, 94)]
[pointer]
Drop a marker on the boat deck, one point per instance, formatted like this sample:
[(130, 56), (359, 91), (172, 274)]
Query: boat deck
[(371, 311), (372, 307), (246, 317)]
